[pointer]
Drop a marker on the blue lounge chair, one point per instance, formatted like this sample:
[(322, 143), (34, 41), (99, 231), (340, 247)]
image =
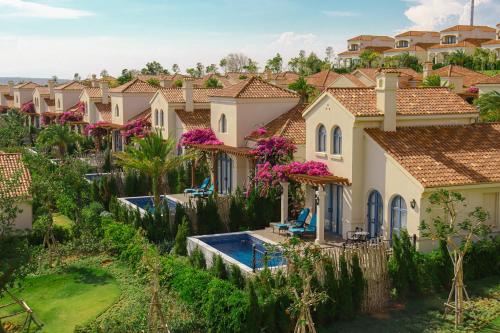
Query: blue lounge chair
[(203, 193), (298, 223), (202, 186), (308, 229)]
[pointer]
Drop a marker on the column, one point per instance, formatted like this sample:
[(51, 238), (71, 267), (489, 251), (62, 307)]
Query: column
[(284, 202), (309, 199), (320, 216)]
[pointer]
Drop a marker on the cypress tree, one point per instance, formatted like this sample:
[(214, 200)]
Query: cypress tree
[(345, 294), (197, 259), (180, 247), (218, 267), (358, 284), (236, 277), (253, 317)]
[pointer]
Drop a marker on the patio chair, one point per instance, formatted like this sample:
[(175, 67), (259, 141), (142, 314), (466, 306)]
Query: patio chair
[(307, 230), (202, 186), (298, 223), (204, 193)]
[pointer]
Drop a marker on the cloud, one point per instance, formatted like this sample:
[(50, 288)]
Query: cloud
[(437, 14), (292, 38), (337, 13), (21, 8)]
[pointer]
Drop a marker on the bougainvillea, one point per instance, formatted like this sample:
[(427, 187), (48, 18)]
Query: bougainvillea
[(136, 128), (45, 120), (28, 107), (473, 90), (80, 107), (275, 150), (259, 132), (70, 117), (203, 136), (96, 130)]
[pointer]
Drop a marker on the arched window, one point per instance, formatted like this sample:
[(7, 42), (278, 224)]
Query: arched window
[(156, 117), (86, 110), (321, 139), (223, 124), (337, 141), (58, 103), (398, 215), (117, 111), (161, 118), (375, 214)]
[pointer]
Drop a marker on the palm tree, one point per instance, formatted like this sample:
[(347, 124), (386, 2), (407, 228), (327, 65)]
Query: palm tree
[(304, 89), (489, 106), (60, 136), (153, 156), (368, 56), (458, 57), (432, 81)]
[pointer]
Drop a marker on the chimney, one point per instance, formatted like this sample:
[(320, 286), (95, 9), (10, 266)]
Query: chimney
[(187, 92), (269, 75), (93, 82), (51, 84), (166, 83), (105, 91), (11, 88), (386, 89), (427, 68)]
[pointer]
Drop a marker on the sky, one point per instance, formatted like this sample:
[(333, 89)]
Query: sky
[(41, 38)]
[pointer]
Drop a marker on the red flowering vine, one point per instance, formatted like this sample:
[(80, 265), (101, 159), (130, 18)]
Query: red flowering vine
[(28, 107), (275, 150), (203, 136), (136, 128), (70, 117), (97, 129)]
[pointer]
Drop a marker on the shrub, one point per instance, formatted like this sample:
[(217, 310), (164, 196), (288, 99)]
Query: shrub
[(483, 259), (403, 266), (209, 221), (218, 268), (197, 259), (253, 317), (358, 283), (237, 216), (236, 277), (180, 216), (327, 311), (180, 247), (62, 234), (346, 310)]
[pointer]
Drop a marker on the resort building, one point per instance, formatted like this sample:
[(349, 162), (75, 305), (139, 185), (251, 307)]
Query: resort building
[(415, 43), (44, 102), (459, 78), (97, 104), (11, 165), (358, 44), (23, 93), (283, 79), (407, 78), (67, 96), (494, 44), (489, 84), (388, 148), (464, 38), (6, 96)]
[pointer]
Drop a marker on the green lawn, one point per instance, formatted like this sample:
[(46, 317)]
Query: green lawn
[(423, 314), (491, 72), (72, 297)]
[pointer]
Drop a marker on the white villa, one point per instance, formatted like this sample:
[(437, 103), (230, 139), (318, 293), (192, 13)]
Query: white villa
[(358, 44)]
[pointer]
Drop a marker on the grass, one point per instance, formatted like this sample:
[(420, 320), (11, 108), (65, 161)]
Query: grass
[(426, 314), (66, 299), (491, 72)]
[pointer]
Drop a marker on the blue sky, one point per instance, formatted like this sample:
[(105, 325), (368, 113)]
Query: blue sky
[(61, 37)]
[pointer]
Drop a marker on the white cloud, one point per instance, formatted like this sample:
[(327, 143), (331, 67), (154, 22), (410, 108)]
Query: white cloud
[(21, 8), (437, 14), (337, 13), (291, 38)]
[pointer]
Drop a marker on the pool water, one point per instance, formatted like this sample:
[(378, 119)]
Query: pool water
[(146, 203), (95, 176), (240, 247)]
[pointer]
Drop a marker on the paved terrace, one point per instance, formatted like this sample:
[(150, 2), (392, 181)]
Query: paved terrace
[(282, 237)]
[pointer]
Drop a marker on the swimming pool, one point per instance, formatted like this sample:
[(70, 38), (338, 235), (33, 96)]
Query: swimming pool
[(146, 202), (237, 248), (90, 177)]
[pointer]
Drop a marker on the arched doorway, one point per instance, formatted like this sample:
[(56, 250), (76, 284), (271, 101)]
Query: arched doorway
[(224, 173), (333, 211), (375, 214), (398, 215)]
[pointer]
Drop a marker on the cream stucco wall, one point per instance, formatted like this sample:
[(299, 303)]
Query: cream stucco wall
[(486, 88), (22, 96), (38, 101), (65, 99), (24, 219), (129, 105)]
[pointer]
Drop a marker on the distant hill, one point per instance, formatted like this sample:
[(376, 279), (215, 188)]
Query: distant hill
[(42, 81)]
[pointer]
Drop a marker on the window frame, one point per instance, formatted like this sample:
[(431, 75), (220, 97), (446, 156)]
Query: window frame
[(321, 139), (223, 123), (337, 140), (399, 213)]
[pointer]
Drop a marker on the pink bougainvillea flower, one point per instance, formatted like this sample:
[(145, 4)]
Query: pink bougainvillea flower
[(200, 136)]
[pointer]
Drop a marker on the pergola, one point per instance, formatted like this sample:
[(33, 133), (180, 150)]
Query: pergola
[(312, 181)]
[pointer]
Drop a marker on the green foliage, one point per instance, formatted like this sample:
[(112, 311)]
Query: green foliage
[(304, 89), (358, 283), (489, 106), (125, 242), (404, 60), (60, 137), (212, 82), (432, 81), (307, 65), (154, 82), (197, 259), (13, 132), (369, 58), (154, 68), (403, 266), (209, 221), (61, 234), (346, 306), (180, 247), (254, 315), (126, 76), (236, 277), (237, 216), (260, 211), (218, 268), (327, 311), (178, 83), (275, 64), (483, 259)]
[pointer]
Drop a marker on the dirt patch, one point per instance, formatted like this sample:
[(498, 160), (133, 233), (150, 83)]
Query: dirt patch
[(106, 262)]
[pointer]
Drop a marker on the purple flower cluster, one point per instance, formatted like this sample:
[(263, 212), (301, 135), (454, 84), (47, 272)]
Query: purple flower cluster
[(28, 107), (473, 90), (80, 107), (96, 130), (200, 136), (275, 150), (136, 128), (259, 132), (310, 168), (70, 116)]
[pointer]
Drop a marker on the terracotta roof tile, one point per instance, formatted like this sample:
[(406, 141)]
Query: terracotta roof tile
[(72, 85), (146, 115), (43, 90), (371, 73), (11, 165), (470, 42), (27, 85), (255, 88), (199, 118), (418, 33), (409, 101), (104, 110), (459, 27), (134, 86), (445, 155), (470, 77), (490, 80), (93, 92), (322, 79), (492, 42), (289, 125), (176, 95), (371, 37), (4, 89), (417, 47)]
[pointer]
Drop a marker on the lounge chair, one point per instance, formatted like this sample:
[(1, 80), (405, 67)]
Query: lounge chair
[(307, 230), (203, 193), (298, 223), (202, 186)]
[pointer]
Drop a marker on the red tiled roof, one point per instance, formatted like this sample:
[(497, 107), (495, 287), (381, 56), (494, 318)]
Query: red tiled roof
[(470, 77), (409, 101), (176, 95), (199, 118), (470, 42), (93, 92), (417, 47), (255, 88), (322, 79), (4, 89), (73, 85), (104, 110), (459, 27), (11, 165), (43, 90), (289, 125), (418, 33), (134, 86), (445, 155), (492, 42), (26, 85), (371, 73), (371, 37), (357, 82), (490, 80), (146, 115)]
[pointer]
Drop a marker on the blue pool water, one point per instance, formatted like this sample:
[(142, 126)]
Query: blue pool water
[(146, 202), (240, 247), (95, 176)]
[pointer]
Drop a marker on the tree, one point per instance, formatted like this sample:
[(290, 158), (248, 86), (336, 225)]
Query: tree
[(154, 68), (104, 73), (432, 81), (54, 78), (304, 89), (12, 130), (483, 59), (180, 246), (212, 68), (275, 64), (307, 65), (60, 136), (176, 69), (368, 58), (251, 66), (330, 54), (126, 76), (458, 57), (458, 232), (234, 62), (212, 83), (152, 156), (197, 71), (154, 82), (223, 64), (489, 106), (76, 77)]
